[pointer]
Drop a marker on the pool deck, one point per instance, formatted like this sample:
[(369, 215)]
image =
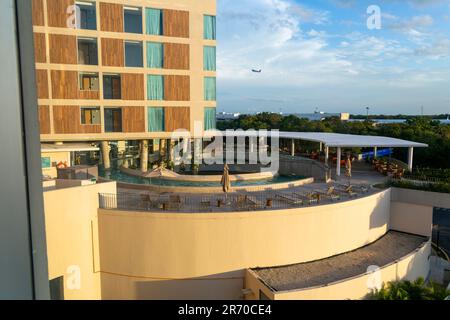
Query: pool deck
[(258, 198)]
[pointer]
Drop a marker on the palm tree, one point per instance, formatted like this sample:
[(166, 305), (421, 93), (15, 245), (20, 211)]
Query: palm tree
[(410, 290)]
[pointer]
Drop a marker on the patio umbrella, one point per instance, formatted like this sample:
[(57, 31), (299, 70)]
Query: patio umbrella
[(226, 182), (348, 167)]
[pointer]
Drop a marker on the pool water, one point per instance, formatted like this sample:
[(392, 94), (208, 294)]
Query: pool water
[(117, 175)]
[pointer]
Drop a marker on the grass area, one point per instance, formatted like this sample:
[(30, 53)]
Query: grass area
[(442, 187)]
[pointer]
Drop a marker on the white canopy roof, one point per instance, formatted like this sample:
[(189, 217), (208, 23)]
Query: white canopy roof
[(332, 139), (350, 140)]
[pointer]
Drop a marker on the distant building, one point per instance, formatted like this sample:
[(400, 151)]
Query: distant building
[(320, 116), (227, 116)]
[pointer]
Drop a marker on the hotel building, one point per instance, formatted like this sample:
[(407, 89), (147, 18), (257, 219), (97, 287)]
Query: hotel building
[(122, 70)]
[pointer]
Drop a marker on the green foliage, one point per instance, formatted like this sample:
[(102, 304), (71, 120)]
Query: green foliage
[(410, 290), (419, 129), (431, 187)]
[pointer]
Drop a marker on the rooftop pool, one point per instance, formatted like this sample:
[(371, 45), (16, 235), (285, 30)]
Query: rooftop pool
[(117, 175)]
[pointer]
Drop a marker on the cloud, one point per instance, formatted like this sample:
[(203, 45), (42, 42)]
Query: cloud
[(439, 49)]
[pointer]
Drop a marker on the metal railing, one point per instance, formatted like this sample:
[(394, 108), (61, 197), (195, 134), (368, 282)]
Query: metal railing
[(233, 202)]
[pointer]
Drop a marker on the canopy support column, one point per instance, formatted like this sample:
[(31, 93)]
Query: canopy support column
[(327, 154), (338, 162), (410, 158), (293, 147), (375, 152)]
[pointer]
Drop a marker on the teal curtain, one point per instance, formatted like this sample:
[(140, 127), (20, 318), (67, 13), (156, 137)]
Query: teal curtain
[(210, 118), (156, 120), (210, 89), (155, 87), (155, 55), (209, 25), (209, 58), (154, 21)]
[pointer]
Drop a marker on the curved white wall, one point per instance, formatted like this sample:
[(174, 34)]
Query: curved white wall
[(140, 251)]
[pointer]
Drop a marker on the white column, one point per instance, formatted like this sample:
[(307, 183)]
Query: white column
[(293, 147), (104, 145), (375, 152), (338, 162), (327, 154), (410, 158), (321, 147)]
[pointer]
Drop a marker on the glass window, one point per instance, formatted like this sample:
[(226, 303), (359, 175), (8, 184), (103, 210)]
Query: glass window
[(112, 87), (154, 19), (156, 119), (87, 51), (46, 162), (209, 24), (132, 20), (113, 120), (155, 55), (90, 115), (87, 15), (155, 87), (210, 89), (209, 58), (210, 119), (88, 81), (133, 54)]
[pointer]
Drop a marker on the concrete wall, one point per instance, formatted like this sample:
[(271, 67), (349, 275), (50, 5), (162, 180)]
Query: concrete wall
[(410, 267), (71, 229), (205, 256), (412, 210)]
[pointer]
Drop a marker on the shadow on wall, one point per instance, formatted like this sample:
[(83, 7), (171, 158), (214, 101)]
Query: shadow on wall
[(380, 211), (221, 286)]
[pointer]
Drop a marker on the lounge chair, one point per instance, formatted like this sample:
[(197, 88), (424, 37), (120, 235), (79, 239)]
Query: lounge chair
[(347, 190), (290, 199), (330, 193), (309, 197), (174, 202)]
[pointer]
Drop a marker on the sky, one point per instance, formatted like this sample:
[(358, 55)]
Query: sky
[(322, 55)]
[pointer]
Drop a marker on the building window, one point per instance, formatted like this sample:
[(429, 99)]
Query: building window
[(133, 54), (154, 19), (210, 119), (90, 115), (155, 87), (112, 87), (46, 163), (210, 89), (88, 16), (87, 51), (155, 55), (113, 120), (132, 20), (156, 119), (88, 81), (209, 24), (209, 58)]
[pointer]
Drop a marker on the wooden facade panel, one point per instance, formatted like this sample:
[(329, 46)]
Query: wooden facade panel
[(176, 23), (42, 84), (44, 119), (63, 49), (57, 12), (133, 119), (177, 118), (67, 120), (112, 52), (40, 54), (132, 86), (176, 56), (176, 88), (88, 95), (38, 12), (64, 84), (111, 17)]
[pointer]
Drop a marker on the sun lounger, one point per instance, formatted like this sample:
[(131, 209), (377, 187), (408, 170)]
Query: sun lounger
[(292, 200), (330, 193), (309, 197)]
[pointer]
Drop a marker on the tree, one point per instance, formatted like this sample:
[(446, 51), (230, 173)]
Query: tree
[(410, 290)]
